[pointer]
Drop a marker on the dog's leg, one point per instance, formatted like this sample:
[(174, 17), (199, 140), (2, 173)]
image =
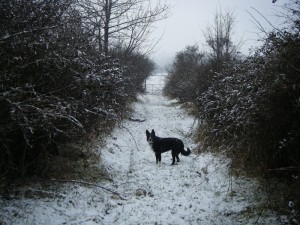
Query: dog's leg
[(173, 157), (177, 157), (158, 157)]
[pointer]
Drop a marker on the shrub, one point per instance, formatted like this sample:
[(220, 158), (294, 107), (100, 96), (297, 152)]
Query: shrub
[(55, 86), (253, 109), (183, 76)]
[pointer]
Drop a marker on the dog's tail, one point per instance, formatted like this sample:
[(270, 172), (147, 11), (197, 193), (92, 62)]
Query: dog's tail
[(185, 153)]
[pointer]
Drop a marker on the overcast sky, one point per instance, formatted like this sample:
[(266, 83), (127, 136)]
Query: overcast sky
[(189, 18)]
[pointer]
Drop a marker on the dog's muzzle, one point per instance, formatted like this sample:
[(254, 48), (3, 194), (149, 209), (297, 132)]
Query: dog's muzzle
[(150, 141)]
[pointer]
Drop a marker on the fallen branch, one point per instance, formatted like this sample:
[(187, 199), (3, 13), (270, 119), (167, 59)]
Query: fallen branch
[(137, 120), (85, 183), (289, 168)]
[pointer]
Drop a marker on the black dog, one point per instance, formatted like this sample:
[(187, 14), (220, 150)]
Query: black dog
[(160, 145)]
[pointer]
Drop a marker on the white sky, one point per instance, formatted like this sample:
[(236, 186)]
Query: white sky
[(189, 18)]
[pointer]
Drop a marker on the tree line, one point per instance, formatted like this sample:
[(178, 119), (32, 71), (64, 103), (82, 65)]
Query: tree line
[(248, 107), (67, 69)]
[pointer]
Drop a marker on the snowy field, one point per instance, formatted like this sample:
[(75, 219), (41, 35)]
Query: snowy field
[(198, 190)]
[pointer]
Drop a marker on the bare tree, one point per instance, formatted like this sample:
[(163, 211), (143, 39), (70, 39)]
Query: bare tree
[(122, 22), (219, 38)]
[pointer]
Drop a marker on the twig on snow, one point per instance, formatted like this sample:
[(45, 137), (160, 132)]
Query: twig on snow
[(137, 120), (86, 183), (136, 145)]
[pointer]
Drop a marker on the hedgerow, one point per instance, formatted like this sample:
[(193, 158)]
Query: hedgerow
[(56, 86)]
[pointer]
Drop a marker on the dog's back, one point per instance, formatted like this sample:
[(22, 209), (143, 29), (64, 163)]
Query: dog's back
[(166, 144)]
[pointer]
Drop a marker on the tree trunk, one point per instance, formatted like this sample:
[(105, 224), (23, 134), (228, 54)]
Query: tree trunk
[(108, 5)]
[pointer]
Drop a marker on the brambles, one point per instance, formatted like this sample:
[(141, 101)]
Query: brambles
[(56, 86)]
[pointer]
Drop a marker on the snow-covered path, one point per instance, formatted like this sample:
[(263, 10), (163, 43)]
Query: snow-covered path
[(198, 190)]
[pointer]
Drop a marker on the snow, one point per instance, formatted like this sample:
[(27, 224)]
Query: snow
[(198, 190)]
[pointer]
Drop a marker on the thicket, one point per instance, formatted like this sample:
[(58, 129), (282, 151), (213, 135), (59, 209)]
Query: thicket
[(187, 75), (56, 86), (249, 107)]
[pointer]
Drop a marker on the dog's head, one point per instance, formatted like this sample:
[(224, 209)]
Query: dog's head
[(150, 136)]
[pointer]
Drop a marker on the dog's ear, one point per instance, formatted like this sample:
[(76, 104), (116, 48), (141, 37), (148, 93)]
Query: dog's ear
[(152, 132), (147, 133)]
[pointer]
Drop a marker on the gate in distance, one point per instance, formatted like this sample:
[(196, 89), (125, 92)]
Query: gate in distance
[(154, 84)]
